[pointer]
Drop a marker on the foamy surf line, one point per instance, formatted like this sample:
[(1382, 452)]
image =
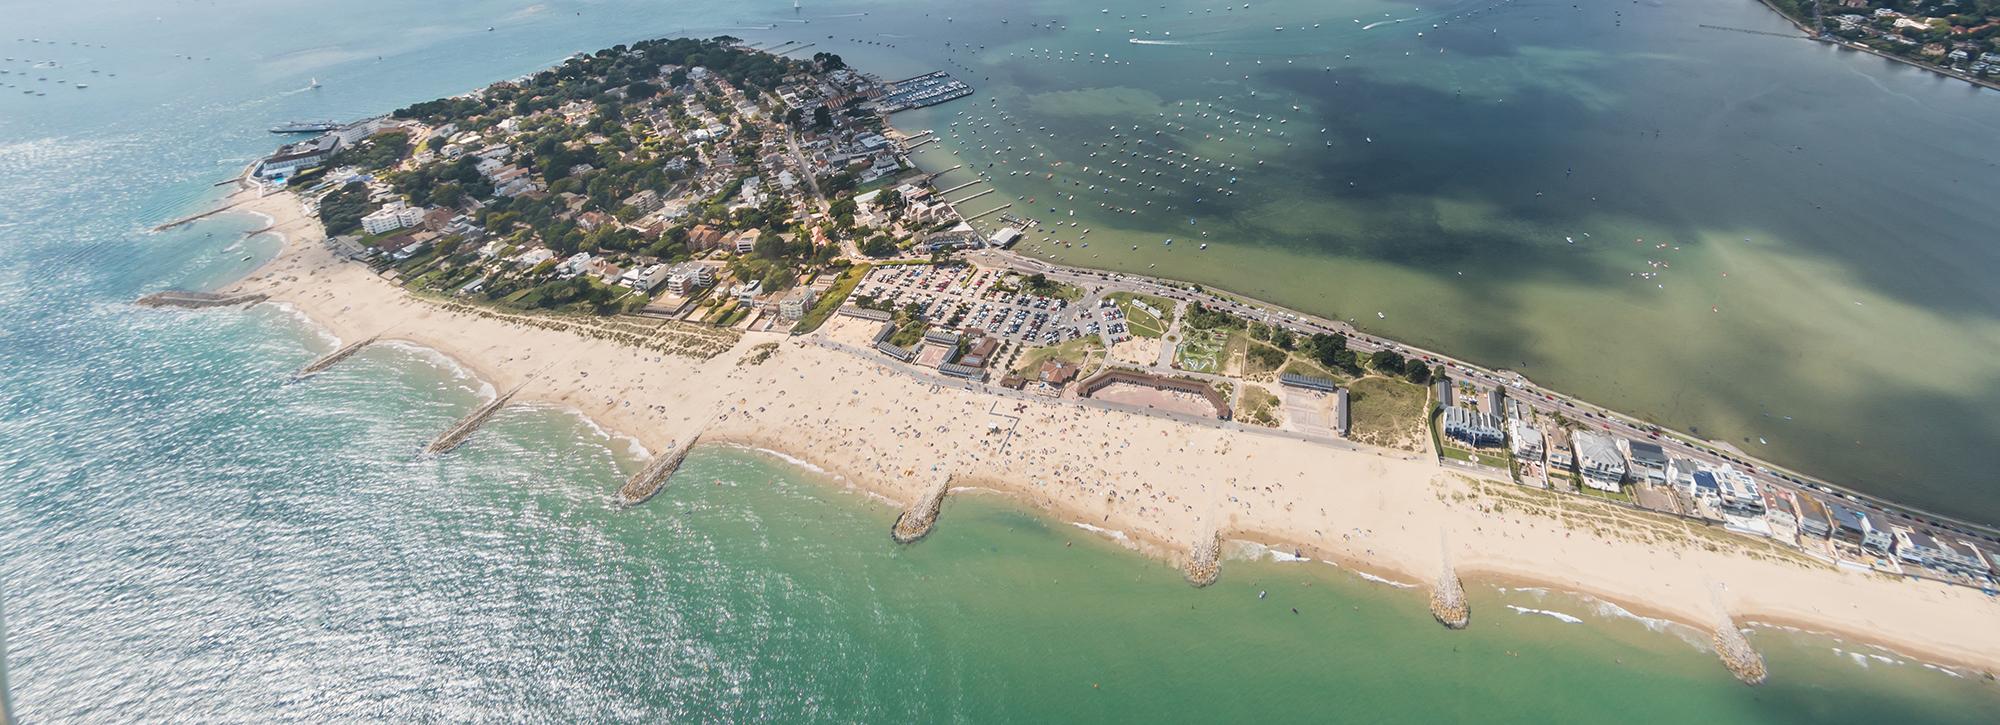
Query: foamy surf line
[(782, 456), (1113, 534), (1546, 613), (1376, 579)]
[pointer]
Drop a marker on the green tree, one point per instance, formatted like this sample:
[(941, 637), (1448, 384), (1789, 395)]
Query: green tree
[(1386, 361)]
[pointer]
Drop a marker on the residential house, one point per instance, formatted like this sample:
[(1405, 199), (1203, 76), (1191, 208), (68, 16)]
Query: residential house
[(1648, 462), (1474, 428), (1813, 517), (391, 218), (795, 305), (1525, 439), (745, 242), (1739, 492), (645, 278), (687, 277), (1598, 459), (1561, 457)]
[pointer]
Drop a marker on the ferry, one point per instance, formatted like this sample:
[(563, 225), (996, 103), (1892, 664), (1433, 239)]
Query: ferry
[(305, 127)]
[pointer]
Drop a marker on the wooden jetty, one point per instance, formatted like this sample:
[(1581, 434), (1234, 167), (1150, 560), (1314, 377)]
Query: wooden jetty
[(649, 480), (452, 437), (328, 360), (917, 520), (197, 300)]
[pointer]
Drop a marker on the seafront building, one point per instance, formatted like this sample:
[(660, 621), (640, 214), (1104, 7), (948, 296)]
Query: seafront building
[(687, 277), (1525, 439), (1598, 459), (1648, 462), (1561, 455), (1474, 428)]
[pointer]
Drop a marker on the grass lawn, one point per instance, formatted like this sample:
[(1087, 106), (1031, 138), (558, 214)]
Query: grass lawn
[(1051, 288), (1261, 360), (1259, 406), (1388, 412), (1620, 496), (1076, 351), (1204, 351), (1138, 320), (829, 302), (1301, 366)]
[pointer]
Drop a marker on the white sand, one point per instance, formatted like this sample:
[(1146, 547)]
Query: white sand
[(1162, 482)]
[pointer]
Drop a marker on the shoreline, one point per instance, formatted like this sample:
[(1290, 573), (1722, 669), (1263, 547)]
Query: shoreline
[(1239, 488), (1809, 34)]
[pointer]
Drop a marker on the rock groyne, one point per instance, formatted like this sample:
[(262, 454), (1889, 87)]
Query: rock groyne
[(463, 429), (917, 520), (649, 480), (197, 300), (1737, 655), (330, 359), (1448, 603), (1203, 564)]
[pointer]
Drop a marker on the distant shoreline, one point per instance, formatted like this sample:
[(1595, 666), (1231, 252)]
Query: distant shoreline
[(1812, 34)]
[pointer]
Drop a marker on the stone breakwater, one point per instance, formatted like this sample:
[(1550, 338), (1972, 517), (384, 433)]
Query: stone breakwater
[(463, 429), (196, 300), (333, 358), (649, 480), (1204, 561), (1737, 655), (1448, 603), (922, 515)]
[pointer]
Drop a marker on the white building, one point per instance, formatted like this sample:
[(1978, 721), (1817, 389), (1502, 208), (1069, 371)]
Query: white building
[(574, 265), (644, 279), (687, 277), (391, 218), (795, 305), (1525, 439), (1598, 459), (745, 242), (301, 155)]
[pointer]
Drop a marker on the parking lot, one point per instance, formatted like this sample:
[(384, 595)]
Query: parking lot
[(964, 298)]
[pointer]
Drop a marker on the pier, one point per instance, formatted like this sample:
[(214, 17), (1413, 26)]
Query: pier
[(917, 520), (961, 186), (1204, 561), (649, 480), (970, 198), (196, 300), (328, 360), (989, 211), (455, 435)]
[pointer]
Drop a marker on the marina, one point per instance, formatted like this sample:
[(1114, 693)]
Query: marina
[(929, 89)]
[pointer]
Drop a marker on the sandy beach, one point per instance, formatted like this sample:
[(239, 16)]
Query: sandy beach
[(1162, 482)]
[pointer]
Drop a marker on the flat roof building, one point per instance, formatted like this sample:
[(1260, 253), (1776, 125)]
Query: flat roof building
[(1525, 439), (1648, 461)]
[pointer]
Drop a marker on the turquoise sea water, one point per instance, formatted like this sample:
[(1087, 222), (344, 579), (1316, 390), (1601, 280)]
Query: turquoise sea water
[(185, 535)]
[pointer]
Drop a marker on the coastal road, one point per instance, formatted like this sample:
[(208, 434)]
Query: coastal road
[(1519, 387)]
